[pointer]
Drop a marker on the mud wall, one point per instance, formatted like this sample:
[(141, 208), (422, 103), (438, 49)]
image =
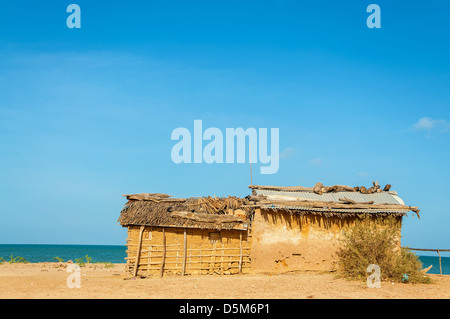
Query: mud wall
[(284, 242)]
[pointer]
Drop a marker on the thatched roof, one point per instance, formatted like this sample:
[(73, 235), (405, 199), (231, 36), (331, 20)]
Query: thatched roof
[(205, 212), (337, 200), (155, 209)]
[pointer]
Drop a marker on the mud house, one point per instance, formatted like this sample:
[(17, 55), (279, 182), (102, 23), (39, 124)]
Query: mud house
[(186, 235), (299, 228), (275, 229)]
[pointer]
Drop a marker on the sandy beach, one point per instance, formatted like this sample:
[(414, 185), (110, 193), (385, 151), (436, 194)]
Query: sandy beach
[(48, 281)]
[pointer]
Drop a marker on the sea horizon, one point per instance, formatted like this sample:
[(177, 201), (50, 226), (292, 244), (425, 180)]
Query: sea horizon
[(34, 253)]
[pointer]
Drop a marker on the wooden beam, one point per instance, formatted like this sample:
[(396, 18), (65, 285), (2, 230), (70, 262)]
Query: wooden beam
[(440, 265), (184, 252), (221, 259), (281, 188), (209, 255), (346, 200), (240, 252), (203, 268), (212, 261), (422, 249), (194, 262), (208, 218), (146, 196), (164, 252), (138, 253)]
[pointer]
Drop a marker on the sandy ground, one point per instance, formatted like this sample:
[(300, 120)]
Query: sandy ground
[(49, 281)]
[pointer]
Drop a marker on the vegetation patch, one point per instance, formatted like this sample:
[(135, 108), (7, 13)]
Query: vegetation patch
[(375, 240), (14, 260)]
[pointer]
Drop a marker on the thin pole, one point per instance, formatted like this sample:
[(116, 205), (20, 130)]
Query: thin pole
[(421, 249), (240, 249), (212, 263), (163, 252), (440, 265), (184, 252), (138, 252), (221, 259)]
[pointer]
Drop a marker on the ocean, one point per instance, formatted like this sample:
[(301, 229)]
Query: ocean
[(45, 253), (432, 260), (116, 254)]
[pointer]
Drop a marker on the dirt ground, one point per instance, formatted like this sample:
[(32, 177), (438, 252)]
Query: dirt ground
[(49, 281)]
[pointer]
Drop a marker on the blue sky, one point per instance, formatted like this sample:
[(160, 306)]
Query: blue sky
[(86, 114)]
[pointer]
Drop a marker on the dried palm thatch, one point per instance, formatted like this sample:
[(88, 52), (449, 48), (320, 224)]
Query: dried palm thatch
[(205, 212), (300, 211)]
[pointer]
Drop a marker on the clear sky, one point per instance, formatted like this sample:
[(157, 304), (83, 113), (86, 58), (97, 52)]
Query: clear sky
[(86, 114)]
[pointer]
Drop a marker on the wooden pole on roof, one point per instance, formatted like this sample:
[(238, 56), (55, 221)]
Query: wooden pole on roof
[(163, 261), (138, 252), (184, 252)]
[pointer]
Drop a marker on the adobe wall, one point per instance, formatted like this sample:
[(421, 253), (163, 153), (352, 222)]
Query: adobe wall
[(283, 242), (208, 251)]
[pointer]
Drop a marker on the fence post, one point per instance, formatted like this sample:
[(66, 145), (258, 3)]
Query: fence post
[(440, 265), (438, 252)]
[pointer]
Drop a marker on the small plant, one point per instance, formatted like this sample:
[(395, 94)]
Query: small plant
[(58, 259), (2, 260), (83, 260), (17, 259), (80, 261), (88, 259)]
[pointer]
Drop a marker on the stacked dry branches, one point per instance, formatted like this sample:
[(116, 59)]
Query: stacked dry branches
[(220, 205)]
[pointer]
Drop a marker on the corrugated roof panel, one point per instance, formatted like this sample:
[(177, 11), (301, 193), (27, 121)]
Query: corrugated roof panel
[(377, 198)]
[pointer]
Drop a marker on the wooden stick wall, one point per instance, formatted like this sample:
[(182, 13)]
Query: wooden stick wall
[(149, 257)]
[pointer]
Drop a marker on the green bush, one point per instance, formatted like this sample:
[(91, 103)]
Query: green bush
[(375, 240), (17, 259), (83, 261), (409, 264)]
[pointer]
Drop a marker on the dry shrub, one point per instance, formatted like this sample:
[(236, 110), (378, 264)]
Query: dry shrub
[(376, 240)]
